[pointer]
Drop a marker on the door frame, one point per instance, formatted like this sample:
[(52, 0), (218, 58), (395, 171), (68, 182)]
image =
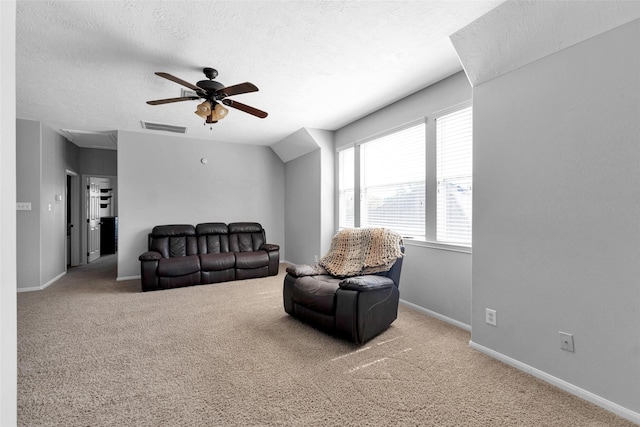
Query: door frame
[(83, 229), (73, 194)]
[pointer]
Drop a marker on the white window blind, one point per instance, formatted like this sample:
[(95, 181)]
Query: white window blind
[(392, 181), (346, 188), (454, 175)]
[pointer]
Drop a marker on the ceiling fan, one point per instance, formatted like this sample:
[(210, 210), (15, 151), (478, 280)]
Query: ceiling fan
[(213, 93)]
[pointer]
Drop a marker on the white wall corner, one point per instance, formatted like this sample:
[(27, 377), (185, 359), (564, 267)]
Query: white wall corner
[(323, 138), (517, 33), (295, 145)]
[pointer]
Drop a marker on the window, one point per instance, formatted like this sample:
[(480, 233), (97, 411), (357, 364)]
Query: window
[(454, 173), (392, 181), (416, 180), (346, 175)]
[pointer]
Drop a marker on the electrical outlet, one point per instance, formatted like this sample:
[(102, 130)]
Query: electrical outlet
[(23, 206), (315, 258), (491, 317), (566, 341)]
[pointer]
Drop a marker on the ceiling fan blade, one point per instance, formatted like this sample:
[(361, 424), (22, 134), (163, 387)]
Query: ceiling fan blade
[(246, 108), (245, 87), (179, 81), (169, 100)]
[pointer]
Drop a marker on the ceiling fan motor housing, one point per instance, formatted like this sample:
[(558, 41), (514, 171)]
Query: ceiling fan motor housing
[(210, 73), (210, 86)]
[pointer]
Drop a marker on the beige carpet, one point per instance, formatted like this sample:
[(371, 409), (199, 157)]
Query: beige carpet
[(96, 352)]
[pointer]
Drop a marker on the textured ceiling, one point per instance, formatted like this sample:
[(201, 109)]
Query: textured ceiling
[(88, 66)]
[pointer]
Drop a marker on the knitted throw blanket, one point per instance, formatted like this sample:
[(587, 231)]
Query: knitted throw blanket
[(357, 251)]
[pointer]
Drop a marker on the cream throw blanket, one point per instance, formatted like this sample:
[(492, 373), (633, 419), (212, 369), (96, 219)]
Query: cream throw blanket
[(356, 251)]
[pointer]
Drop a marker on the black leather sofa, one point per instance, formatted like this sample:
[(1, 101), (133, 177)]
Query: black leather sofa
[(183, 255), (356, 308)]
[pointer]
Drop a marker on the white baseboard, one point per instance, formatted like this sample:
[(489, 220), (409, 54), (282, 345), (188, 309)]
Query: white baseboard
[(46, 285), (436, 315), (122, 279), (561, 384)]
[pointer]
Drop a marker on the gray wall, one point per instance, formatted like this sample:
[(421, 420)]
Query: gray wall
[(309, 194), (162, 181), (28, 177), (556, 214), (72, 157), (41, 232), (303, 208), (53, 229), (96, 162), (432, 279), (325, 140)]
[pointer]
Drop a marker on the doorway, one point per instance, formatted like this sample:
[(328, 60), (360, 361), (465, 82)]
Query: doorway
[(100, 215), (73, 219)]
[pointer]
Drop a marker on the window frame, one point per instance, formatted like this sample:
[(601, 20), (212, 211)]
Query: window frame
[(430, 178)]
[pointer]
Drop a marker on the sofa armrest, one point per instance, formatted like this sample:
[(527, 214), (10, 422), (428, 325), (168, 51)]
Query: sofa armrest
[(366, 283), (300, 270), (269, 247), (150, 256)]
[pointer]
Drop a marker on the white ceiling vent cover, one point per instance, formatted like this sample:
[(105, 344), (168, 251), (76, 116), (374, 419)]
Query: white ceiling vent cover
[(163, 127), (185, 92)]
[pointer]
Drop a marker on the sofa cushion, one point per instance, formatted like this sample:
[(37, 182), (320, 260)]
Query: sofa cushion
[(173, 230), (245, 227), (173, 240), (212, 228), (217, 262), (252, 259), (180, 266), (213, 237), (245, 236), (316, 292)]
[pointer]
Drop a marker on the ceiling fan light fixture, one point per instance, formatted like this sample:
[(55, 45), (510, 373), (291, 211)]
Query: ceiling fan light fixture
[(204, 110), (220, 111)]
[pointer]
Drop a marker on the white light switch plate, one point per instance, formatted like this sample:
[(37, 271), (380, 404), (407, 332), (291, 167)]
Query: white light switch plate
[(23, 206)]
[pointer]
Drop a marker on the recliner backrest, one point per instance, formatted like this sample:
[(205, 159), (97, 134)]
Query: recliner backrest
[(245, 236), (213, 237), (394, 272), (174, 240)]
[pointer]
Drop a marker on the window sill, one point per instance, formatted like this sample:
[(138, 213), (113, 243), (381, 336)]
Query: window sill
[(437, 245)]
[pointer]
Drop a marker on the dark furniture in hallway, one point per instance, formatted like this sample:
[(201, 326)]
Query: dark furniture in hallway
[(108, 235)]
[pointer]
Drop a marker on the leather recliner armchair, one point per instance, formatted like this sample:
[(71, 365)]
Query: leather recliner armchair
[(356, 308)]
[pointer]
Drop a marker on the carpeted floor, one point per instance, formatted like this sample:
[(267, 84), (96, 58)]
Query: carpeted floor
[(96, 352)]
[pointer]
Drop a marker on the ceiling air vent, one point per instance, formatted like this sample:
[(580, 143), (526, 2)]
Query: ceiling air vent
[(186, 93), (163, 127)]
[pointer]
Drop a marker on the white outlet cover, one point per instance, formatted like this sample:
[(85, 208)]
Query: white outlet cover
[(491, 317)]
